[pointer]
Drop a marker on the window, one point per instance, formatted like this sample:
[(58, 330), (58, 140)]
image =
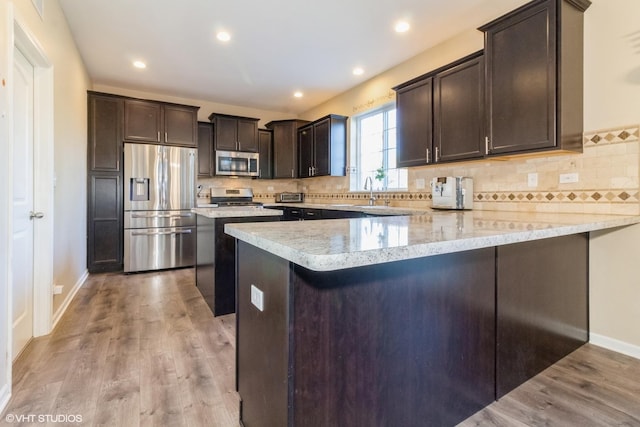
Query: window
[(375, 151)]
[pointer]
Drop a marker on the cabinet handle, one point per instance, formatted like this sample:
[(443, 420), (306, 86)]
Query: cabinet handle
[(118, 164), (291, 173), (309, 171), (428, 156), (239, 145), (313, 170), (486, 143), (158, 136), (436, 157), (166, 138)]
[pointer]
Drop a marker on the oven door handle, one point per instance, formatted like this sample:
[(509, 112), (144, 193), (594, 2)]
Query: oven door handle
[(159, 233)]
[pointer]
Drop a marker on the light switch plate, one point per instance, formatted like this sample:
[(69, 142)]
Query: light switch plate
[(532, 179), (568, 178), (420, 183), (257, 298)]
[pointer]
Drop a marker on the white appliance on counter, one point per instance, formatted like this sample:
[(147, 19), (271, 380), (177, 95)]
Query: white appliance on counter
[(159, 192), (452, 192)]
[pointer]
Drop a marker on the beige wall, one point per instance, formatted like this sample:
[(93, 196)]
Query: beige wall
[(206, 107), (71, 82), (614, 292)]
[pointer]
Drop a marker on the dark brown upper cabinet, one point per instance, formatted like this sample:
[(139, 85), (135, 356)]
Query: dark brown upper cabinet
[(160, 123), (534, 77), (265, 162), (234, 133), (458, 111), (440, 115), (414, 122), (285, 147), (105, 132), (322, 147), (205, 150)]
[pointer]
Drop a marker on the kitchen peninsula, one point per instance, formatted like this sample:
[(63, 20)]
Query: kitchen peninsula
[(215, 252), (405, 320)]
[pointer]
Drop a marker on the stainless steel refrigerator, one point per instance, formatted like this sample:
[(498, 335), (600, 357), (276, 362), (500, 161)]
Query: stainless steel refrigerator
[(159, 192)]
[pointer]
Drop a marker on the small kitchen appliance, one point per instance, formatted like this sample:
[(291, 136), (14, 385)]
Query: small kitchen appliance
[(237, 163), (452, 192), (289, 197)]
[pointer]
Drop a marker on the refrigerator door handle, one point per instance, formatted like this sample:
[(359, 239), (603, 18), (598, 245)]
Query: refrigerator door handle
[(154, 215), (159, 233)]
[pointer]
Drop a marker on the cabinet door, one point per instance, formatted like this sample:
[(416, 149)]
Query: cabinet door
[(105, 133), (104, 243), (521, 80), (458, 117), (414, 105), (205, 149), (142, 121), (322, 148), (180, 126), (305, 152), (226, 133), (247, 135), (265, 141), (285, 150)]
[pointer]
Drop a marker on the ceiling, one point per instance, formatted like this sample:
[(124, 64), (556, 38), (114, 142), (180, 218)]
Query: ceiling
[(277, 46)]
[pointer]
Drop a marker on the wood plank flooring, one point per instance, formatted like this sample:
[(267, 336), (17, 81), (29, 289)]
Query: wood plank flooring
[(141, 349), (144, 349)]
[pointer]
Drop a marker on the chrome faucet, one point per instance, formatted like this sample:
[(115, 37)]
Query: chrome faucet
[(372, 199)]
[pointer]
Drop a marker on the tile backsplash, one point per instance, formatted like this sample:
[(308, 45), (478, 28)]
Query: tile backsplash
[(608, 180)]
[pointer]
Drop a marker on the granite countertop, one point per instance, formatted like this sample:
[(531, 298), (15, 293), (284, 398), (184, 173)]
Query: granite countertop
[(236, 211), (375, 210), (325, 245)]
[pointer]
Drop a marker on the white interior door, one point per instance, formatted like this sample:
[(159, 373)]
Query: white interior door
[(22, 259)]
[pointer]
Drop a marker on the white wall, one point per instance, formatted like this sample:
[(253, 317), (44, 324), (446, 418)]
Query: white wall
[(5, 202), (71, 82)]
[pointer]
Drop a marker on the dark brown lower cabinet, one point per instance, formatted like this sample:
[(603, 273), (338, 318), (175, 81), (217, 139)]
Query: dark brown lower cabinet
[(428, 341), (216, 262), (395, 344), (104, 228), (542, 311)]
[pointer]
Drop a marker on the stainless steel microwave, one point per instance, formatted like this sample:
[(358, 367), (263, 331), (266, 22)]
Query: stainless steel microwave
[(236, 163)]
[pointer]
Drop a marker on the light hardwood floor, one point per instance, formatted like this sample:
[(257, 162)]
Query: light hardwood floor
[(144, 349)]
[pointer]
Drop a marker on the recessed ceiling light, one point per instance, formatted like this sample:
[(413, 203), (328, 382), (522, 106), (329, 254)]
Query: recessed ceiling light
[(358, 71), (223, 36), (139, 64), (298, 94), (402, 27)]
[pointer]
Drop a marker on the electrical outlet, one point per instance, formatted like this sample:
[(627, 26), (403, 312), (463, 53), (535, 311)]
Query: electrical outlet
[(568, 178), (257, 298), (420, 183), (57, 289), (270, 188), (532, 179)]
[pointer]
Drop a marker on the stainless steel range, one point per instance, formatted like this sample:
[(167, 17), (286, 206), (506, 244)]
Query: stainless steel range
[(159, 187), (227, 197)]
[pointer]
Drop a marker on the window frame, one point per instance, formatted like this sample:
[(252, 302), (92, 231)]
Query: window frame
[(356, 164)]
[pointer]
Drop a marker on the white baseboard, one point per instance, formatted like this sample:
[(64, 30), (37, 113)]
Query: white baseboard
[(5, 395), (615, 345), (65, 304)]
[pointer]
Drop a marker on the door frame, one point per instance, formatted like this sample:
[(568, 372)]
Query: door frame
[(16, 34)]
